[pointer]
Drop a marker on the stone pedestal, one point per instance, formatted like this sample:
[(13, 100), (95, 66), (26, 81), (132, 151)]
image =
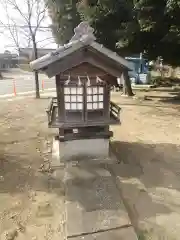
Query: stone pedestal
[(76, 150)]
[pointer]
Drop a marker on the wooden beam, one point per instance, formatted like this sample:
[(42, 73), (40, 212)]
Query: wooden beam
[(69, 125), (60, 98), (107, 101), (88, 135)]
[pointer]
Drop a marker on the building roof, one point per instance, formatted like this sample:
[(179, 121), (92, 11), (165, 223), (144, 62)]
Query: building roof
[(29, 50), (83, 38), (8, 56), (28, 53)]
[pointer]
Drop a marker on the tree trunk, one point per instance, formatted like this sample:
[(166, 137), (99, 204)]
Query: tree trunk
[(127, 90), (1, 76), (36, 75)]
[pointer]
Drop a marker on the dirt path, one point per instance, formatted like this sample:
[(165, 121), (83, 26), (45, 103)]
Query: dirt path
[(147, 145), (30, 198)]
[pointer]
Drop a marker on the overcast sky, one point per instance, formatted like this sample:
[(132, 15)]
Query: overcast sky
[(45, 39)]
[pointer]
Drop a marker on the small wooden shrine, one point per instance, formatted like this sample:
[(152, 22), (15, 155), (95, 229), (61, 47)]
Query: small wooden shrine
[(82, 111)]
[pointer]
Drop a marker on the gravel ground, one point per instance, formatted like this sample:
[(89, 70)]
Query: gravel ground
[(31, 200)]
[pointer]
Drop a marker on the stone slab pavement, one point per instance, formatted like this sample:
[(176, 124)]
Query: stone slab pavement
[(94, 207), (120, 234)]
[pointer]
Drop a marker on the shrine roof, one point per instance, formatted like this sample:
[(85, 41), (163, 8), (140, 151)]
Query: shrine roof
[(83, 37)]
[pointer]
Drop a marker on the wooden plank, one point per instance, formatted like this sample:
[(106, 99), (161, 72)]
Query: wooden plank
[(70, 61), (66, 125), (60, 98), (89, 135), (84, 69), (108, 60), (106, 101), (74, 60), (85, 101), (100, 64)]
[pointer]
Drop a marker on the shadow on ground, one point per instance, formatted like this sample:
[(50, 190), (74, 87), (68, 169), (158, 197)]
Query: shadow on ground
[(154, 97), (92, 187), (149, 182), (140, 157), (173, 98), (153, 165)]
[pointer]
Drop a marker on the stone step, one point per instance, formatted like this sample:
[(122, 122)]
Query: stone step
[(93, 204)]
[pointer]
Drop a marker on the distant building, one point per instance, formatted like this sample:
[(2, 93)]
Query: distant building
[(8, 60), (26, 54), (12, 60)]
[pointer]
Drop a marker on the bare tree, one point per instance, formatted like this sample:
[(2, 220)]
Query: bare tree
[(24, 19)]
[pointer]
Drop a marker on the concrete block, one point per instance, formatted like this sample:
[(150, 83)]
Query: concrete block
[(55, 161), (79, 149), (90, 148)]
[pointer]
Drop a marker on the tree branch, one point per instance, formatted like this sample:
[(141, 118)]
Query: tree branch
[(32, 19), (16, 7), (41, 14), (50, 38)]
